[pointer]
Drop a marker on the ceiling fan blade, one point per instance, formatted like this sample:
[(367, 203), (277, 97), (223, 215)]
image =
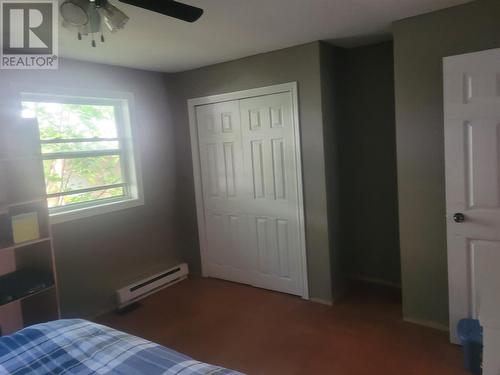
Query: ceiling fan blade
[(169, 8)]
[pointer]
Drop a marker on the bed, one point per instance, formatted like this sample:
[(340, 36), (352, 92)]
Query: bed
[(79, 347)]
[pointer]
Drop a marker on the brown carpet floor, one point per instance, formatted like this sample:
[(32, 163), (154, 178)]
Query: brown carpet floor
[(260, 332)]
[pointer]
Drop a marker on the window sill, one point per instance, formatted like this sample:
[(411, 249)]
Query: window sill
[(102, 209)]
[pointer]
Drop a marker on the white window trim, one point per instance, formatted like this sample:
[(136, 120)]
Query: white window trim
[(131, 143)]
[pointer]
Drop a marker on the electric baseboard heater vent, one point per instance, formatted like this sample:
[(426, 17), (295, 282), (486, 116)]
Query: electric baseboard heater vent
[(143, 288)]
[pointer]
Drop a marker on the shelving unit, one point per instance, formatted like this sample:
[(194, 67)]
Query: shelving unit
[(22, 191)]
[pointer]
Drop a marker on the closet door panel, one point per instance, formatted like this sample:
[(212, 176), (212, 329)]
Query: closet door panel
[(249, 178), (224, 192), (269, 154)]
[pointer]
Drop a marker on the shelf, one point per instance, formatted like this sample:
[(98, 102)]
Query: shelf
[(26, 266), (23, 298), (6, 247), (23, 244), (15, 210), (28, 243), (22, 284), (36, 200), (28, 207)]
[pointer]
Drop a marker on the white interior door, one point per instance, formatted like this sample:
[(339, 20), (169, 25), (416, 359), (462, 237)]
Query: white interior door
[(249, 190), (472, 151)]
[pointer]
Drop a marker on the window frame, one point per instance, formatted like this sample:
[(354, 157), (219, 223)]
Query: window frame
[(128, 152)]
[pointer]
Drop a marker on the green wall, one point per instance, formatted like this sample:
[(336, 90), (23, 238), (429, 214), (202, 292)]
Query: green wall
[(420, 43), (331, 60), (97, 255), (301, 64), (369, 209)]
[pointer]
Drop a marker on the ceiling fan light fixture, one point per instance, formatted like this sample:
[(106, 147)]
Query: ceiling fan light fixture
[(113, 17), (88, 16), (75, 12)]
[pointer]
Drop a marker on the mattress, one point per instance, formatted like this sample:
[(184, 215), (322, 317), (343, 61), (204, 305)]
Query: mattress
[(80, 347)]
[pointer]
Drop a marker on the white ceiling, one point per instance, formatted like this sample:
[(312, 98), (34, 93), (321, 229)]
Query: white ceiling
[(231, 29)]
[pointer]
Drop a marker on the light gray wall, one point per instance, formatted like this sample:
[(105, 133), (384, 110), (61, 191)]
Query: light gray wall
[(301, 64), (369, 211), (97, 255), (420, 43)]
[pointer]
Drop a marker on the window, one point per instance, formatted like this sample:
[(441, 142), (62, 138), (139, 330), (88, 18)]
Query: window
[(87, 154)]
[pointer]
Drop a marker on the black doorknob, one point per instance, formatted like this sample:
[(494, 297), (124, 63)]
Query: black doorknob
[(459, 217)]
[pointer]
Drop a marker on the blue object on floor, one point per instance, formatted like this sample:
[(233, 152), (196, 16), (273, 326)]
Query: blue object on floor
[(470, 333)]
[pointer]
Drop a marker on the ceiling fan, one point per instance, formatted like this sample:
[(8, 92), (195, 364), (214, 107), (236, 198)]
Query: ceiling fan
[(87, 16)]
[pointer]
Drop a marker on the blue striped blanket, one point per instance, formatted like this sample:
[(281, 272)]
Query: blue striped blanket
[(79, 347)]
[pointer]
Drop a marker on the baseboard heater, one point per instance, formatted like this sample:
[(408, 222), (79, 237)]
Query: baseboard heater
[(143, 288)]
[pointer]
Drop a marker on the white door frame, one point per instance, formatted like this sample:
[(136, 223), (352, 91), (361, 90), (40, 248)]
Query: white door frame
[(290, 87)]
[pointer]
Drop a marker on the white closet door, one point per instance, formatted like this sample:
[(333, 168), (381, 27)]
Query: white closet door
[(271, 171), (249, 183)]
